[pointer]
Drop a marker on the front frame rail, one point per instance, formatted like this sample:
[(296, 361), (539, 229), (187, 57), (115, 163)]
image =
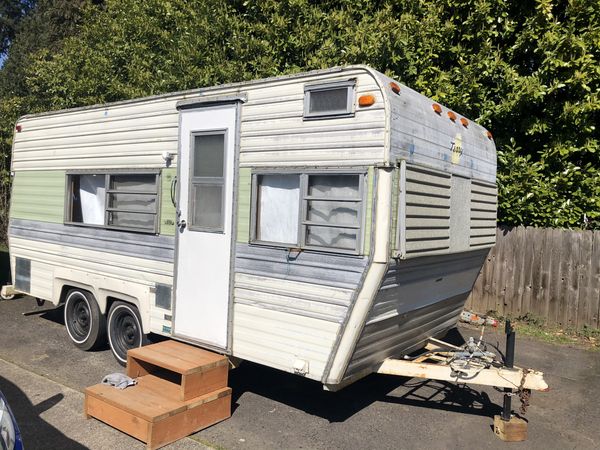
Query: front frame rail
[(432, 365)]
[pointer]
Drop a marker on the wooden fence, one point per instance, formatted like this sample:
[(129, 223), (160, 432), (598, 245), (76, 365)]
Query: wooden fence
[(551, 274)]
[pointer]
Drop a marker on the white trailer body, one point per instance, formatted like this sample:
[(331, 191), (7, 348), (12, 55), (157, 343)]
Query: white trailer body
[(324, 221)]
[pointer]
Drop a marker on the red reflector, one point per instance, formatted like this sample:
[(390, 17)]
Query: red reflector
[(366, 100), (18, 128)]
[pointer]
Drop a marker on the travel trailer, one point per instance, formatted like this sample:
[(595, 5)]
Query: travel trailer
[(318, 223)]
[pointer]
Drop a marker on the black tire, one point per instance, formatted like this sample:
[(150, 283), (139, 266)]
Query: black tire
[(85, 324), (124, 330)]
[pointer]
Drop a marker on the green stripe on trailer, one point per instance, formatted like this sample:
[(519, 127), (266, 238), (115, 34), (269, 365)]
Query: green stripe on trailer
[(168, 215), (369, 211), (38, 195), (243, 206)]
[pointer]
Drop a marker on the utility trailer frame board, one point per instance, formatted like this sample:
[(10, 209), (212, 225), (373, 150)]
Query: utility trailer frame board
[(433, 366), (319, 223)]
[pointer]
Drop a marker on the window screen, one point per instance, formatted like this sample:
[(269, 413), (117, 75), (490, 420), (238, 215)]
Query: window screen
[(332, 99), (207, 182), (278, 208), (123, 200)]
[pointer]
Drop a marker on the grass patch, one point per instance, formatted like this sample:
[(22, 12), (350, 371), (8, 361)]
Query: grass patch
[(536, 327)]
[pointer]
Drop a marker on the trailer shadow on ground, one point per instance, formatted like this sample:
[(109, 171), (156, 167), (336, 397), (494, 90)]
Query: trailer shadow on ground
[(309, 396), (34, 429)]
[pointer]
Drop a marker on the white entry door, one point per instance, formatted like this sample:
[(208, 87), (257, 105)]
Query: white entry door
[(205, 209)]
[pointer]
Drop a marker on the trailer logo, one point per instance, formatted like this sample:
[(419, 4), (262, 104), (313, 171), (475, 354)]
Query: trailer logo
[(456, 148)]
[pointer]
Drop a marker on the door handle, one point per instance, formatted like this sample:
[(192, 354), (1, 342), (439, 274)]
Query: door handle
[(173, 191)]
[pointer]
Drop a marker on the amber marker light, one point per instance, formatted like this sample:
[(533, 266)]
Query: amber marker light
[(366, 100), (489, 135), (395, 87), (465, 122), (437, 108), (451, 116)]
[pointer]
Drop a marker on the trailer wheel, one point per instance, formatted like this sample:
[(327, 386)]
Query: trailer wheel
[(124, 330), (84, 322)]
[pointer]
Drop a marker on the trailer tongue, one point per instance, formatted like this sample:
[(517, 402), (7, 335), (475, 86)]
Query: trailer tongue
[(472, 363)]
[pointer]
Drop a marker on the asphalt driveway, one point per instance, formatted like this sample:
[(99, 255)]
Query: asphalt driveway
[(43, 375)]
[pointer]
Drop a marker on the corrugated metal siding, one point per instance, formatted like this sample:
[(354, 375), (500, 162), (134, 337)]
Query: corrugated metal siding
[(304, 299), (418, 298), (151, 246), (316, 268), (483, 207), (277, 339), (96, 262), (243, 204), (420, 136), (273, 131), (38, 195)]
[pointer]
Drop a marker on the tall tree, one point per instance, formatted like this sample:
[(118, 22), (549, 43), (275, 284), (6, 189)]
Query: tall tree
[(42, 26), (11, 13)]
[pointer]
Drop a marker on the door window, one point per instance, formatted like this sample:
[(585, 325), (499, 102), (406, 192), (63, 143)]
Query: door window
[(207, 182)]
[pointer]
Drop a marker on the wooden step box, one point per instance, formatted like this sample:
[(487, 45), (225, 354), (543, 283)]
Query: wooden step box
[(181, 389)]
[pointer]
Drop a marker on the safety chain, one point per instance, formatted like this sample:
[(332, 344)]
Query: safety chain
[(524, 394)]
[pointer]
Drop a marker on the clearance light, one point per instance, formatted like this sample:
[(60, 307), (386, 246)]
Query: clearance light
[(366, 100), (489, 135), (395, 87), (437, 108), (465, 122), (451, 116), (18, 128)]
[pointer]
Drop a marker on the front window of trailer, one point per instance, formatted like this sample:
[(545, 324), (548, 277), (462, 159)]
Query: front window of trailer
[(127, 201), (309, 210)]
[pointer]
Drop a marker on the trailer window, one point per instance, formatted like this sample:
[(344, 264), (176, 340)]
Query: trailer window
[(333, 211), (88, 196), (328, 100), (127, 201), (278, 208), (311, 210), (132, 201)]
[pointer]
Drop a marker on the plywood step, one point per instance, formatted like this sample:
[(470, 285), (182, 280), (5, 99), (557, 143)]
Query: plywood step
[(152, 412), (194, 370)]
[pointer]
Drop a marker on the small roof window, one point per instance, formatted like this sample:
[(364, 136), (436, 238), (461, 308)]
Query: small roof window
[(329, 100)]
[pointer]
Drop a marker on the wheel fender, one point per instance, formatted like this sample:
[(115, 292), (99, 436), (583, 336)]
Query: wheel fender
[(59, 284), (104, 288), (135, 293)]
